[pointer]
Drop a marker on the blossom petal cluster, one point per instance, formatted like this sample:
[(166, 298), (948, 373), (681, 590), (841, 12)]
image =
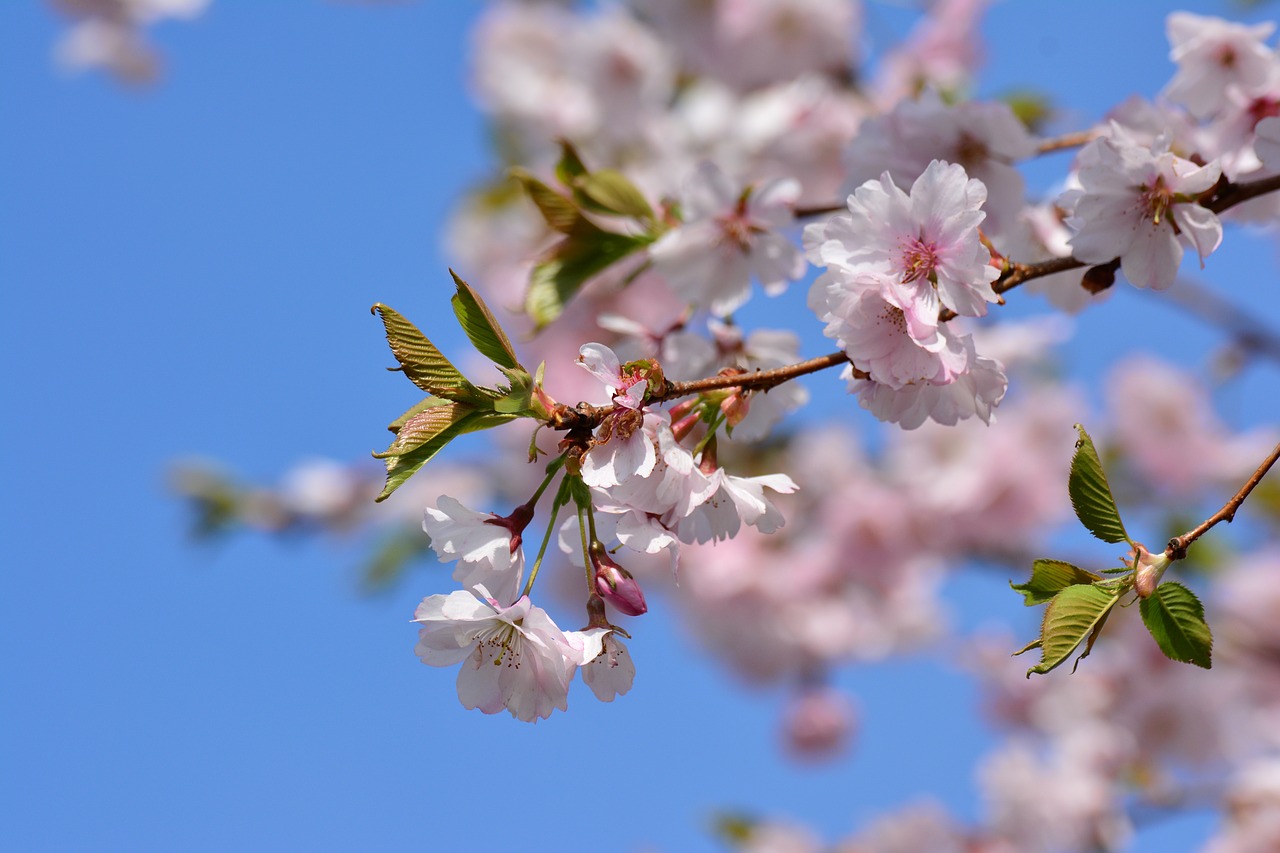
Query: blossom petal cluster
[(893, 264), (1138, 203)]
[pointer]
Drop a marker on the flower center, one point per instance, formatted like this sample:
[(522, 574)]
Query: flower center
[(501, 647), (1156, 200), (918, 259)]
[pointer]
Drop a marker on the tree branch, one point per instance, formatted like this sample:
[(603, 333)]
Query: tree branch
[(1178, 545), (1067, 140)]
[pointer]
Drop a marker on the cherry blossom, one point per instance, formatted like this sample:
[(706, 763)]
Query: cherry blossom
[(729, 235), (1213, 54), (1138, 204), (486, 546), (512, 657), (610, 673), (926, 243)]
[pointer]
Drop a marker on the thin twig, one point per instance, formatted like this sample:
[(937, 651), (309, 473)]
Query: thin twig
[(760, 380), (1178, 545), (1067, 140)]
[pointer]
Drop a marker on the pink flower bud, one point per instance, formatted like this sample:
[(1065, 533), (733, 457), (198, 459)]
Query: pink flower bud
[(615, 584), (736, 406)]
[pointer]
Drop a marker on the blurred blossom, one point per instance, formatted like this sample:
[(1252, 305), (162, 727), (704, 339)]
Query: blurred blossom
[(818, 724), (109, 33)]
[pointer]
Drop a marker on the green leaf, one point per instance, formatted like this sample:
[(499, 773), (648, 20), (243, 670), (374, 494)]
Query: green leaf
[(1074, 614), (518, 397), (570, 167), (1091, 496), (560, 212), (425, 365), (1175, 618), (609, 191), (402, 466), (480, 326), (581, 255), (1048, 578)]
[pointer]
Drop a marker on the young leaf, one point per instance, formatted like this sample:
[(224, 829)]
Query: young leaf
[(1048, 578), (609, 191), (423, 427), (482, 329), (1072, 616), (571, 262), (518, 396), (425, 365), (560, 213), (402, 466), (1175, 618), (1091, 495), (424, 404), (570, 167)]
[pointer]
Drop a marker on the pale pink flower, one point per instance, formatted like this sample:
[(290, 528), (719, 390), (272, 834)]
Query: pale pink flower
[(1266, 142), (1213, 54), (942, 52), (489, 554), (736, 501), (885, 334), (1138, 204), (985, 138), (750, 43), (610, 673), (926, 243), (512, 657), (975, 393), (729, 235)]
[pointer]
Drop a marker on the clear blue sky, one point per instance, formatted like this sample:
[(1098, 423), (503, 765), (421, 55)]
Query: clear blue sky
[(187, 269)]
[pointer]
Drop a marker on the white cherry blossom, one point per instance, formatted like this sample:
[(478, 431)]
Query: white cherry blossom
[(1213, 54), (513, 658), (610, 673), (1136, 203), (488, 553), (729, 235)]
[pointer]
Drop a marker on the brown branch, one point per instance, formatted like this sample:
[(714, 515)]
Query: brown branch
[(586, 417), (760, 380), (1178, 545), (1233, 194), (820, 209), (1067, 140)]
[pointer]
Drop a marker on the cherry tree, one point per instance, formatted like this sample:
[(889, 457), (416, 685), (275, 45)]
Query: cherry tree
[(663, 165)]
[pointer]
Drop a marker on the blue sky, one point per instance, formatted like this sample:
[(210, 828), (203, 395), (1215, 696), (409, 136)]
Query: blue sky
[(187, 270)]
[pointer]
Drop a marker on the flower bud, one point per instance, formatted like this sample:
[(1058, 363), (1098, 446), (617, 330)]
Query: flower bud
[(736, 406), (615, 584)]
